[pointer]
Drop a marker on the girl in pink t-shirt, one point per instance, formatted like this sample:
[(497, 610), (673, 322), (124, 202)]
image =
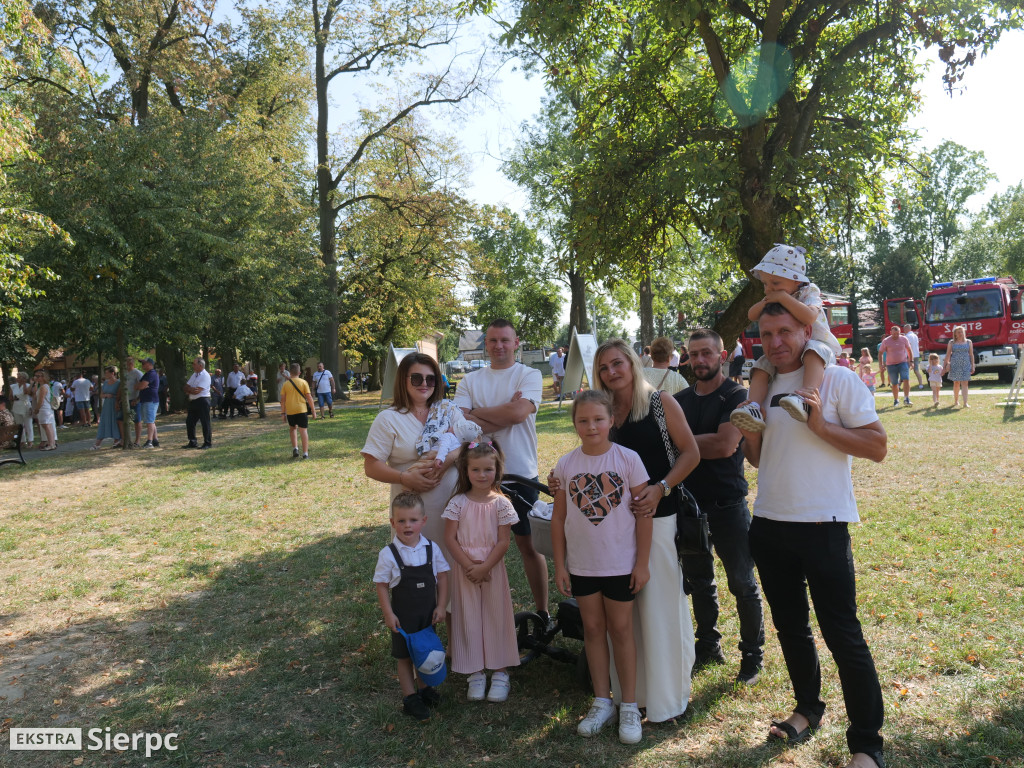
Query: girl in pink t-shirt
[(601, 553)]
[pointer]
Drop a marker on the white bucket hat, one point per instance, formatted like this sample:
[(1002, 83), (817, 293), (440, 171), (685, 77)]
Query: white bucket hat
[(783, 261)]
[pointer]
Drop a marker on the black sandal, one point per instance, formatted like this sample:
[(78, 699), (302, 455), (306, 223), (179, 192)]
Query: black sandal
[(793, 736)]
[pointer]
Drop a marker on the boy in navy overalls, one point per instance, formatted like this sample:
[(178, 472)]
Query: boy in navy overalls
[(417, 573)]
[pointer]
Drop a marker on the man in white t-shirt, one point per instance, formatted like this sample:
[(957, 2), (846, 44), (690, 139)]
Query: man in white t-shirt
[(915, 348), (799, 535), (557, 363), (82, 389), (324, 389), (503, 400)]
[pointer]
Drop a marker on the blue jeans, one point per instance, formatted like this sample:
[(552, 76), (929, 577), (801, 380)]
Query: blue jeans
[(793, 558), (324, 398), (728, 523)]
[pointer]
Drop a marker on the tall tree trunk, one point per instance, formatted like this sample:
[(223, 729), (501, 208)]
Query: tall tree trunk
[(326, 212), (172, 360), (374, 383), (129, 426), (577, 302), (260, 403), (646, 307)]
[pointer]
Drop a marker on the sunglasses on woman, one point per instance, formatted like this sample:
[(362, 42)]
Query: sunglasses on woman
[(418, 378)]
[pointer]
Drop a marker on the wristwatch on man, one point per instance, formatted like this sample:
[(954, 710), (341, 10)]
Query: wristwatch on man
[(665, 487)]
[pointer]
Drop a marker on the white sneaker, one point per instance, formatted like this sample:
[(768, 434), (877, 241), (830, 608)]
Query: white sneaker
[(748, 417), (499, 687), (601, 713), (477, 686), (630, 731), (795, 406)]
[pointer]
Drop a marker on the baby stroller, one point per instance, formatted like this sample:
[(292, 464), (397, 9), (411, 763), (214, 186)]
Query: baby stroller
[(534, 634)]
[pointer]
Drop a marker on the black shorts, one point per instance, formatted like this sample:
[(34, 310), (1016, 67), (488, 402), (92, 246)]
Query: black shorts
[(522, 506), (736, 366), (300, 420), (613, 587)]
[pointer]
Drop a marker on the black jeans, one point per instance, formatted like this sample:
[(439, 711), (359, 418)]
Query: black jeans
[(729, 523), (792, 558), (199, 410)]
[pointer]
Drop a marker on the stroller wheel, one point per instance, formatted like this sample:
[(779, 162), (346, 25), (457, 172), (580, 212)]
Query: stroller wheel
[(529, 627)]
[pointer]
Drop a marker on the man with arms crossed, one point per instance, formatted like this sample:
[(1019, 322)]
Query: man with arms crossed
[(503, 401), (799, 536), (720, 488), (198, 390)]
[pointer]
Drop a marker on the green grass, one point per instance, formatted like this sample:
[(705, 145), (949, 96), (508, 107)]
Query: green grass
[(226, 596)]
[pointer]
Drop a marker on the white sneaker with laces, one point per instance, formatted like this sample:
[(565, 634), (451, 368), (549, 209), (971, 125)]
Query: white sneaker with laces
[(795, 406), (477, 686), (748, 417), (499, 687), (601, 713), (630, 731)]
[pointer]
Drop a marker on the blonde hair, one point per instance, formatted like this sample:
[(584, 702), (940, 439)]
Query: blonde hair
[(933, 356), (962, 329), (642, 390), (865, 351)]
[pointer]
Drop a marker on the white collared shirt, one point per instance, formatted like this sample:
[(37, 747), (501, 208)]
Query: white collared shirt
[(202, 381), (388, 572)]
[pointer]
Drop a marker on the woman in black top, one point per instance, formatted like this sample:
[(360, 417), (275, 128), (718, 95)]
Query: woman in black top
[(665, 651)]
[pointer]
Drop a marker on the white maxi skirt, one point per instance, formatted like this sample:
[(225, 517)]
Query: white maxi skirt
[(664, 632)]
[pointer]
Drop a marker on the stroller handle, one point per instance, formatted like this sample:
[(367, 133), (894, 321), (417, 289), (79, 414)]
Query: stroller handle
[(530, 483)]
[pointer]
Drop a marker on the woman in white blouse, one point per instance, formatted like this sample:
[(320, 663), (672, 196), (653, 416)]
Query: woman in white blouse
[(390, 450)]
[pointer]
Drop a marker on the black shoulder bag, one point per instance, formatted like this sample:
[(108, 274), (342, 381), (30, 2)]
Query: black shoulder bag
[(692, 534)]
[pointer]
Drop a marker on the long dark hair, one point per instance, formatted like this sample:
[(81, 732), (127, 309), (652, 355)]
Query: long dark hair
[(477, 451), (402, 402)]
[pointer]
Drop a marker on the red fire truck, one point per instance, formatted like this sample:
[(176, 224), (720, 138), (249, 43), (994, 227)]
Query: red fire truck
[(837, 310), (988, 307)]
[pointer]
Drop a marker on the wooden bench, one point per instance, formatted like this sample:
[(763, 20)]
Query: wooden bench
[(12, 432)]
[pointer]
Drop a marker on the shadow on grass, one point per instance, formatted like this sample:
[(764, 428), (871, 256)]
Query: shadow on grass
[(283, 660)]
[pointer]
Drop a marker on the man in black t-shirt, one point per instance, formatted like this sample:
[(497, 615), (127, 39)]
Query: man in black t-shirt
[(720, 488)]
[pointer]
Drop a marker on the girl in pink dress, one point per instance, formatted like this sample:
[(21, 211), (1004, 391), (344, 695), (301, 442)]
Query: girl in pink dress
[(478, 523)]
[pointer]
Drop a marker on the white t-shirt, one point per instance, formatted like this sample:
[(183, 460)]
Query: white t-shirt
[(322, 382), (915, 344), (802, 478), (201, 380), (387, 570), (242, 391), (490, 387), (234, 378), (664, 379), (81, 388), (131, 378), (600, 531), (673, 360), (557, 364)]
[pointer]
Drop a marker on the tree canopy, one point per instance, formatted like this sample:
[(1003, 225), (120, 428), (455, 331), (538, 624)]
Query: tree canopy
[(750, 123)]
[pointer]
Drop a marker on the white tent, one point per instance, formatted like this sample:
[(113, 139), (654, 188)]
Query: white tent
[(395, 356), (579, 361)]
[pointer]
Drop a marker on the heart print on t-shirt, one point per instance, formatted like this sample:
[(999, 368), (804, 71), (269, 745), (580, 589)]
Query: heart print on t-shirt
[(596, 495)]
